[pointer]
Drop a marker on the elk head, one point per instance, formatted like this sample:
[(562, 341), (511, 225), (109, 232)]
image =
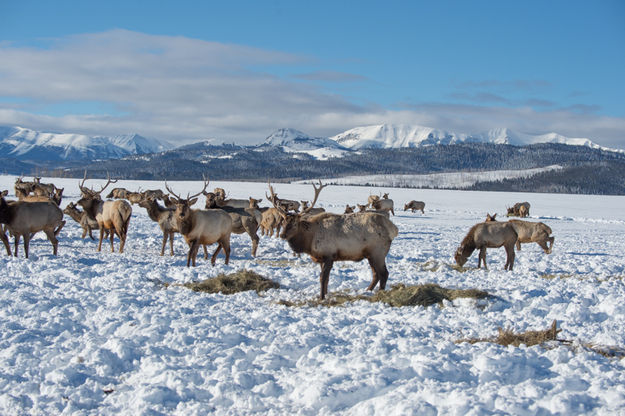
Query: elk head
[(490, 218), (293, 222), (183, 213), (89, 193)]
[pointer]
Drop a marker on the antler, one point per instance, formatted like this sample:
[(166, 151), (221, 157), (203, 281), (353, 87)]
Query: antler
[(109, 181), (274, 200), (203, 189), (172, 192), (317, 191)]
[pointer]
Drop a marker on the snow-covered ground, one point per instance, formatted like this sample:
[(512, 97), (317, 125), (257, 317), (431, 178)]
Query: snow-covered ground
[(456, 180), (98, 333)]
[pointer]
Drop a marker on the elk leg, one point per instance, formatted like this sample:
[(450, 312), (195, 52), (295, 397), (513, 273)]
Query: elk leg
[(101, 236), (482, 258), (509, 257), (58, 230), (165, 236), (375, 277), (551, 240), (192, 247), (214, 257), (205, 252), (326, 266), (5, 241), (53, 240), (255, 240), (171, 243), (26, 244), (518, 245), (112, 237), (17, 242)]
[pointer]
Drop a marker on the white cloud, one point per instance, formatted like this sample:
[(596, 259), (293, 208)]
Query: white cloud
[(183, 89)]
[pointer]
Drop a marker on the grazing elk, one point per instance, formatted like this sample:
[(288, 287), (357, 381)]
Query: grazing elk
[(202, 226), (520, 209), (415, 206), (487, 235), (533, 232), (330, 237), (110, 215), (83, 219), (23, 219)]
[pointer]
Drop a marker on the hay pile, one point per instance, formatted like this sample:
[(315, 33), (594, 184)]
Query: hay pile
[(398, 295), (240, 281), (507, 337)]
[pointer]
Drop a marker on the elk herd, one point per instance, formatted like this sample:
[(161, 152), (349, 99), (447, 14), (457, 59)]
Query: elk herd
[(363, 231)]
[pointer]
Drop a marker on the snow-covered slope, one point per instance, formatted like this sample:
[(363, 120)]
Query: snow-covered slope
[(403, 135), (26, 144), (295, 141)]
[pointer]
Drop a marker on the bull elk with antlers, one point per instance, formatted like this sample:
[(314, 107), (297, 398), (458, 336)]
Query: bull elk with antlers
[(330, 237), (110, 215), (201, 227)]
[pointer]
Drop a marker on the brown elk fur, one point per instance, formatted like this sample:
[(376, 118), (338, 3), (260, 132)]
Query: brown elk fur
[(520, 209), (202, 227), (348, 209), (487, 235), (533, 232), (330, 237), (384, 205), (271, 222), (165, 218), (110, 215), (23, 219), (415, 206), (83, 219)]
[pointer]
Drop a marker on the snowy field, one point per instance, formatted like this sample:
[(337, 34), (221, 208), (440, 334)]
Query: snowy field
[(98, 333), (456, 180)]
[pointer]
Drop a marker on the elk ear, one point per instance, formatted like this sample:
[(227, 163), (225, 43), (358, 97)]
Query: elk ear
[(192, 202)]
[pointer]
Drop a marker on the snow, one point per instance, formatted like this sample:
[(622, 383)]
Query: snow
[(99, 333), (407, 135), (456, 180)]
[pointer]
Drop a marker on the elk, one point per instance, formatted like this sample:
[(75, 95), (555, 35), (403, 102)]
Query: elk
[(23, 189), (202, 226), (384, 204), (415, 206), (285, 204), (56, 197), (330, 237), (122, 193), (43, 189), (110, 215), (270, 221), (349, 209), (154, 194), (165, 219), (312, 211), (361, 207), (487, 235), (520, 209), (23, 219), (533, 232), (83, 219)]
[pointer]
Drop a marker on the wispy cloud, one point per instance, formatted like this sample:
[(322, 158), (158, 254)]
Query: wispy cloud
[(183, 89)]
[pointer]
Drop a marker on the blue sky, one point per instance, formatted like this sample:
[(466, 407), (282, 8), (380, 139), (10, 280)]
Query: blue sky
[(236, 71)]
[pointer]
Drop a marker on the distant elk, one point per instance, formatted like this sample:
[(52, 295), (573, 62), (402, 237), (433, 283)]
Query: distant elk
[(23, 219), (110, 215), (23, 188), (202, 227), (311, 211), (122, 193), (271, 222), (415, 206), (520, 209), (331, 237), (285, 204), (384, 204), (488, 235), (349, 209), (87, 224)]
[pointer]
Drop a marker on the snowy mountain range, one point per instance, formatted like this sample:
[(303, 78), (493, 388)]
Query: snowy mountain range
[(25, 144), (395, 136)]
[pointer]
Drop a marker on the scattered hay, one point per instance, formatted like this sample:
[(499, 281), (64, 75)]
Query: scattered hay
[(240, 281), (398, 295), (507, 337), (550, 276), (544, 338)]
